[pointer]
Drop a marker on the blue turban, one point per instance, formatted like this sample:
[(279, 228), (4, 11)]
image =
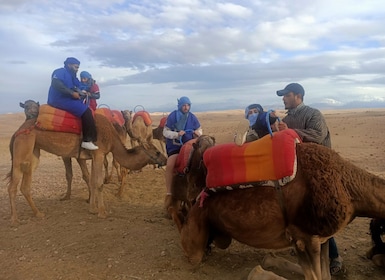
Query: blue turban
[(183, 100), (71, 60), (85, 74)]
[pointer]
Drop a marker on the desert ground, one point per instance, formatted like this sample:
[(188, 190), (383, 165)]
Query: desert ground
[(137, 241)]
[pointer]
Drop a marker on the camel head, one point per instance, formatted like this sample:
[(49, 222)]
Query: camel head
[(194, 232), (31, 109), (156, 157)]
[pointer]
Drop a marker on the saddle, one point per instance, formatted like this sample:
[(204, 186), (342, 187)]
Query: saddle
[(262, 162), (183, 158), (145, 115), (113, 116), (54, 119)]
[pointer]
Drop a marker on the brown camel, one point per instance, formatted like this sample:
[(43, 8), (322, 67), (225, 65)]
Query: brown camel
[(186, 187), (26, 153), (326, 194)]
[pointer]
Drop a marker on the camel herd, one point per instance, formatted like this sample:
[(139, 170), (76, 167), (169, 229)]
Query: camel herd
[(326, 194)]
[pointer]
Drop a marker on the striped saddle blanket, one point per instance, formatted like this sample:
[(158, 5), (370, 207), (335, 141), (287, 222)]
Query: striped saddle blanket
[(54, 119), (183, 159), (271, 158)]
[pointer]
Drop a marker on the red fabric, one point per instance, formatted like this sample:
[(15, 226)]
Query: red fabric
[(117, 117), (145, 115), (93, 104), (162, 122), (182, 160), (54, 119), (269, 158), (105, 112)]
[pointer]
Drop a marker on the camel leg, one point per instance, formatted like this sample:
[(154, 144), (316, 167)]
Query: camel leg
[(116, 166), (26, 187), (309, 257), (325, 269), (16, 176), (108, 175), (96, 198), (68, 167), (85, 175), (123, 172), (270, 260)]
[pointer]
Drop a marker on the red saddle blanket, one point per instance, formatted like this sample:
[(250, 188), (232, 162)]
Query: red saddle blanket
[(267, 159), (114, 116), (162, 122), (145, 115), (182, 161), (54, 119)]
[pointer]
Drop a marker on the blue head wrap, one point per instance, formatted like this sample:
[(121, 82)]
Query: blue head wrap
[(183, 100), (85, 74), (253, 117), (71, 60)]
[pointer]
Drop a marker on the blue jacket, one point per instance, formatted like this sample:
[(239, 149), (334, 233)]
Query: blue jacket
[(191, 125), (64, 82)]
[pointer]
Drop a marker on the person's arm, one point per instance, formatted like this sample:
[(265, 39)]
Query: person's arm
[(59, 86), (94, 92), (315, 129), (168, 133)]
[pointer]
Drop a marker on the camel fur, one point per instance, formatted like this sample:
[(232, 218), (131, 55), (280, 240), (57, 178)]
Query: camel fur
[(137, 129), (26, 152), (327, 193)]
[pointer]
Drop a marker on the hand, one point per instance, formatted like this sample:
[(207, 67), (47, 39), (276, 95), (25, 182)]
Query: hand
[(181, 133), (75, 95)]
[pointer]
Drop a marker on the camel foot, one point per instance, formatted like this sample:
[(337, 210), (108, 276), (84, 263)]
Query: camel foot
[(102, 215), (93, 210), (270, 260), (258, 273), (379, 260), (40, 215), (15, 222), (65, 197)]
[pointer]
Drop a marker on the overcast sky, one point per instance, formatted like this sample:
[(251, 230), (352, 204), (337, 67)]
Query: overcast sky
[(221, 54)]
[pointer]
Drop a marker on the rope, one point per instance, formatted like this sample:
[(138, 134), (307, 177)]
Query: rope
[(268, 121), (187, 131)]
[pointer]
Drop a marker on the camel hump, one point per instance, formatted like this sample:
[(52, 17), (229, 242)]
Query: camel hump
[(266, 159), (183, 159), (54, 119), (145, 115)]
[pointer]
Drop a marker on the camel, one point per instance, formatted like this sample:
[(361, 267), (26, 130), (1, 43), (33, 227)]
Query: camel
[(186, 186), (157, 134), (326, 194), (31, 110), (26, 153), (137, 127)]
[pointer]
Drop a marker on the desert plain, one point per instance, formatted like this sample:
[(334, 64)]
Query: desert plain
[(137, 241)]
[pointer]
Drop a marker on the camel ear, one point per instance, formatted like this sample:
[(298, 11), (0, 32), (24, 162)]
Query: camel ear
[(21, 105), (178, 219)]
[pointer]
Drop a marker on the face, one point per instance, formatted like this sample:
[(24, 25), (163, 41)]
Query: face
[(73, 67), (84, 80), (291, 100), (252, 111), (185, 108)]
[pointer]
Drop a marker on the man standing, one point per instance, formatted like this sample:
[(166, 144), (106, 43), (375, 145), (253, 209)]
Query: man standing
[(310, 125)]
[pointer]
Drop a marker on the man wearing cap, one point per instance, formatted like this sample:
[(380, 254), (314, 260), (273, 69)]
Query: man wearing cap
[(181, 126), (310, 125), (65, 94)]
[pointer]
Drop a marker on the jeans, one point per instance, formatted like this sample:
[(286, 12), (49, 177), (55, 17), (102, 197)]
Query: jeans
[(333, 250)]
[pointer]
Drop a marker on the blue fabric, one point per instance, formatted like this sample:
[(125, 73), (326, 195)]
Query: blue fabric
[(192, 124), (87, 85), (183, 100), (253, 106), (63, 100), (71, 60), (252, 118)]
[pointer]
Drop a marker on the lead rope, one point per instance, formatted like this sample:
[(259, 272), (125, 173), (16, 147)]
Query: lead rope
[(267, 119)]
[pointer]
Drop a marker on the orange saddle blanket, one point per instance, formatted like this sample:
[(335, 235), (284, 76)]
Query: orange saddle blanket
[(267, 159), (162, 122), (114, 116), (54, 119), (183, 159), (145, 115)]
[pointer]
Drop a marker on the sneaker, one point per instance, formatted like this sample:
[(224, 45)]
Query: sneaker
[(89, 146), (241, 132)]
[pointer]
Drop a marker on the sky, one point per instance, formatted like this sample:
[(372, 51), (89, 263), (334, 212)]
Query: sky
[(221, 54)]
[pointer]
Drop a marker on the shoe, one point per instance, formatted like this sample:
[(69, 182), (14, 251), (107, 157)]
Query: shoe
[(241, 132), (89, 146), (336, 266)]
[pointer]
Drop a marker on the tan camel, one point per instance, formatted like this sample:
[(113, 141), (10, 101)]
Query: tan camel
[(27, 146), (326, 194), (137, 128)]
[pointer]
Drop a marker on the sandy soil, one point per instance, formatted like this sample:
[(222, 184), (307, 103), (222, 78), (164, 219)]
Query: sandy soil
[(136, 241)]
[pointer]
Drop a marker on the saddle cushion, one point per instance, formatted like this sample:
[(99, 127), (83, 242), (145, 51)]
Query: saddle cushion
[(54, 119), (269, 158), (162, 122), (113, 116), (183, 159), (145, 115)]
